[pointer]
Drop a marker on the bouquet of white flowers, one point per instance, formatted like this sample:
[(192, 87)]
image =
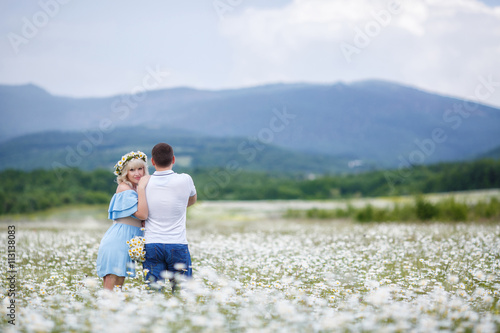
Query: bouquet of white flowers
[(136, 249)]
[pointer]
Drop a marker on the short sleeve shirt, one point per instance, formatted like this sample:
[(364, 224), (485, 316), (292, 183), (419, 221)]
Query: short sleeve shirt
[(167, 194)]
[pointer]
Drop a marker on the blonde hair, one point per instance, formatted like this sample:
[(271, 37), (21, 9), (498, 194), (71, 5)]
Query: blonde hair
[(134, 163)]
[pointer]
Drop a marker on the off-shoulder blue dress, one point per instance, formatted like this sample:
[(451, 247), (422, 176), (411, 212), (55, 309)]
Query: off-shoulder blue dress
[(113, 257)]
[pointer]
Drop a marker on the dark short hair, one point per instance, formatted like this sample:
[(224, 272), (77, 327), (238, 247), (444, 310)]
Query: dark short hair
[(162, 154)]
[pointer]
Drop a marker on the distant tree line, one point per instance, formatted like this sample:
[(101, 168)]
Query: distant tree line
[(27, 192), (227, 184), (446, 210)]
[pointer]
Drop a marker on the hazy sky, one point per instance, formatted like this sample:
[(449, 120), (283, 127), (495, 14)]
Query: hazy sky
[(100, 48)]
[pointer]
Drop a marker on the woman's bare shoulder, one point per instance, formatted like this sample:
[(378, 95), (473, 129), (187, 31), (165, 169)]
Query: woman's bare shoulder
[(122, 187)]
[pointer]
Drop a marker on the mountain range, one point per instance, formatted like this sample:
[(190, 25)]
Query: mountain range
[(93, 149), (332, 126)]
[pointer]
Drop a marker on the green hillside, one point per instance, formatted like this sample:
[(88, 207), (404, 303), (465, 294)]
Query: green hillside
[(93, 150), (32, 191)]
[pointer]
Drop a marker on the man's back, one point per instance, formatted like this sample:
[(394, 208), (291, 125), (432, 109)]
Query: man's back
[(167, 195)]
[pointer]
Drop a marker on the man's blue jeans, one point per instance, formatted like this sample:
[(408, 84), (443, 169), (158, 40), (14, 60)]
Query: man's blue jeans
[(174, 258)]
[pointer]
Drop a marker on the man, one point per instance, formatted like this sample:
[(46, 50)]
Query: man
[(168, 194)]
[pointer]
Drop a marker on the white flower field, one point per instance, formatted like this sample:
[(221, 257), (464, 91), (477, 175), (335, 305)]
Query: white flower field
[(256, 272)]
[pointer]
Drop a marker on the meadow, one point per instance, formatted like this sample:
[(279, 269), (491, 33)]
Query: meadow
[(255, 271)]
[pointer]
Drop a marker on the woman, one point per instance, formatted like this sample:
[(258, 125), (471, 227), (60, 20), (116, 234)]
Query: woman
[(128, 208)]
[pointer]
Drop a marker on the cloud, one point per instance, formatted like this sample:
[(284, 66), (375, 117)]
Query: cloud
[(91, 49), (438, 45)]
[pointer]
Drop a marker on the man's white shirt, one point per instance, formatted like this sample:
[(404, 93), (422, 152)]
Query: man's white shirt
[(167, 194)]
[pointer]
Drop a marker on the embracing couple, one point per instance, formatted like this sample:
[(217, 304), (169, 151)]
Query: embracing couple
[(158, 203)]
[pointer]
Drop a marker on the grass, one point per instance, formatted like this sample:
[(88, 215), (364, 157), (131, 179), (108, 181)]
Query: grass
[(421, 209)]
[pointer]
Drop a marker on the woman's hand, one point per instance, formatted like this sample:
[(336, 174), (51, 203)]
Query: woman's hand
[(142, 205), (143, 182)]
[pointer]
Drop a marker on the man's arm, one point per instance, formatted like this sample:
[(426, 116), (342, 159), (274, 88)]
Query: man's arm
[(192, 200)]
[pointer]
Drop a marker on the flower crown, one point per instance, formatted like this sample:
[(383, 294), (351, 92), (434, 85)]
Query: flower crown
[(126, 158)]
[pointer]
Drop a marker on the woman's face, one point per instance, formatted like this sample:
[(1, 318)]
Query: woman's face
[(134, 174)]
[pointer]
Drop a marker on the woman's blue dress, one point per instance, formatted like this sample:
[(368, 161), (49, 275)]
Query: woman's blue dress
[(113, 257)]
